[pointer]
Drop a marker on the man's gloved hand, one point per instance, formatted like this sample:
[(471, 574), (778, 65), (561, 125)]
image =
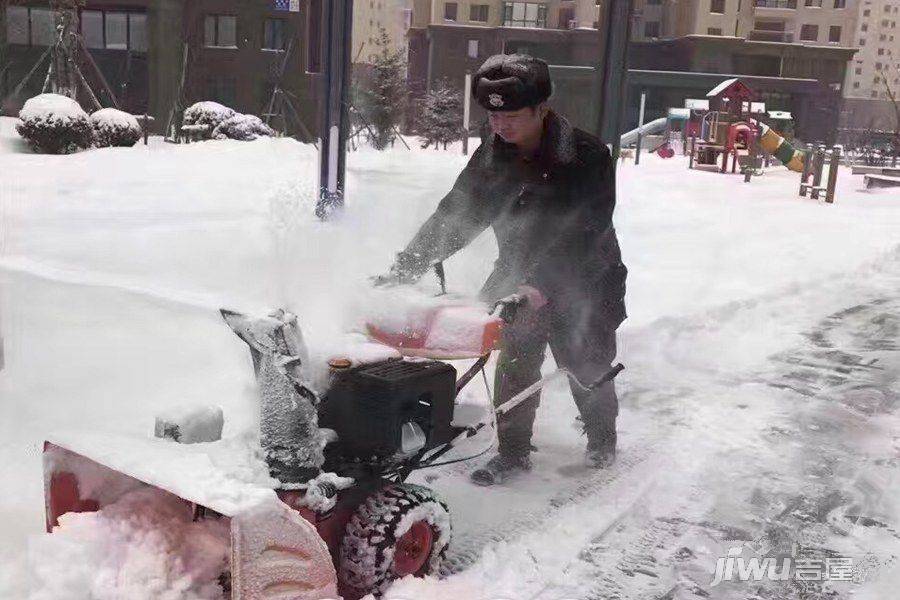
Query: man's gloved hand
[(404, 271), (535, 300), (526, 298)]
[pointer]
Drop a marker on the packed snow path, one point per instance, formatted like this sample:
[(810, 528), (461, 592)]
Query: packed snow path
[(758, 406)]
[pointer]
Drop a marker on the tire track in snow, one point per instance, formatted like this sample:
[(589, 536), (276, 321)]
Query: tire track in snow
[(467, 551)]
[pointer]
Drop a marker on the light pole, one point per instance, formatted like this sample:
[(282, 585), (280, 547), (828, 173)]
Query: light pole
[(337, 24), (615, 33)]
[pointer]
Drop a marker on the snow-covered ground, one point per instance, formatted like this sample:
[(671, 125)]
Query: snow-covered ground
[(758, 405)]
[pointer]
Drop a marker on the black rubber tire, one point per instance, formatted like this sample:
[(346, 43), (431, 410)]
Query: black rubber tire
[(365, 556)]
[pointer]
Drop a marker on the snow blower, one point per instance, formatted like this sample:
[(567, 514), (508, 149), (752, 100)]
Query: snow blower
[(335, 515)]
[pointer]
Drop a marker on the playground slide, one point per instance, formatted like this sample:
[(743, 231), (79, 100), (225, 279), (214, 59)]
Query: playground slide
[(655, 126), (778, 147)]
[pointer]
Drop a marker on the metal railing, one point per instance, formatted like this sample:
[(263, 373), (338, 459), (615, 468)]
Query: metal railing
[(789, 4), (766, 35)]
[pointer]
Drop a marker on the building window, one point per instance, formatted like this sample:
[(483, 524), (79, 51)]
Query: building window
[(450, 11), (858, 71), (473, 48), (651, 29), (116, 30), (834, 33), (30, 26), (220, 31), (113, 30), (717, 6), (17, 25), (855, 85), (714, 31), (222, 89), (881, 52), (653, 2), (479, 13), (867, 12), (524, 14), (878, 66), (816, 3), (887, 9), (840, 4), (864, 27), (874, 94), (862, 41), (273, 34), (809, 33)]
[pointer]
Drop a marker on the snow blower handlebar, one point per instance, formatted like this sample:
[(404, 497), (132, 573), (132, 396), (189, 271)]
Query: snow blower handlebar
[(560, 372)]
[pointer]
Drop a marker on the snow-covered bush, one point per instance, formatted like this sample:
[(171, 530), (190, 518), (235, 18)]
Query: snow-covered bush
[(114, 127), (242, 127), (207, 114), (55, 124)]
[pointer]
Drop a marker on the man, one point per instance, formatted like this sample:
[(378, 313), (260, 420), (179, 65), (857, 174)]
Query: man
[(547, 190)]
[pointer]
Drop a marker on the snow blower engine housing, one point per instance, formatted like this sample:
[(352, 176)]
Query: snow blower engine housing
[(387, 412)]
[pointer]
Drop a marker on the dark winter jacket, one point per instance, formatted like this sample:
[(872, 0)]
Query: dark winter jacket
[(553, 220)]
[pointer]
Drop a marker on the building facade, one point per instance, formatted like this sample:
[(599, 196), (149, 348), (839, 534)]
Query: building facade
[(875, 70), (680, 50), (229, 51), (805, 80), (813, 22), (370, 17)]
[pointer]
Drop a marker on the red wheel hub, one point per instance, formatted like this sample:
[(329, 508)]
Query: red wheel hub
[(413, 549)]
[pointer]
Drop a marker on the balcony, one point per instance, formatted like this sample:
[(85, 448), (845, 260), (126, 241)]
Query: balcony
[(764, 5), (765, 35)]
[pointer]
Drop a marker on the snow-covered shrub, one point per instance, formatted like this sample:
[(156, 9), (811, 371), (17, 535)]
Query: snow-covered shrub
[(114, 127), (55, 124), (207, 114), (242, 127)]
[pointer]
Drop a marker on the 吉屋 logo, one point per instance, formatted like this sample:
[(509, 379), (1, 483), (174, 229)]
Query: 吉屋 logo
[(755, 567), (495, 100)]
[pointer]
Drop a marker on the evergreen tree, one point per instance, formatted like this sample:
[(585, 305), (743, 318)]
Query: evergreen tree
[(385, 95), (441, 119)]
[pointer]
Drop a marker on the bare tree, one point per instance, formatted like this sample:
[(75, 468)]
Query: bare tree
[(892, 94)]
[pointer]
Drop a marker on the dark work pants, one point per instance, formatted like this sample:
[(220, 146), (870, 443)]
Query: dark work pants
[(587, 353)]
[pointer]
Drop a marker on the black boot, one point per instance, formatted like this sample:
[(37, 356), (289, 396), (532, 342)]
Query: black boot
[(601, 451), (499, 468)]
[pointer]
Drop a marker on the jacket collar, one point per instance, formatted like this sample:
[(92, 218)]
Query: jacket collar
[(557, 144)]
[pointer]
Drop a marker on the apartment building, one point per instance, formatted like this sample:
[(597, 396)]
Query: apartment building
[(536, 14), (810, 22), (876, 67), (449, 39), (370, 17), (233, 51)]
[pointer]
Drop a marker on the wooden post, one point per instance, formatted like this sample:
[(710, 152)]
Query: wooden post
[(818, 167), (146, 128), (693, 145), (832, 174)]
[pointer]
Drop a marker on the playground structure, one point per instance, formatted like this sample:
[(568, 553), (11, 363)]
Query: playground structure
[(725, 129), (730, 124)]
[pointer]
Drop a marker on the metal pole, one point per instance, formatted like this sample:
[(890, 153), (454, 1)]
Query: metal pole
[(337, 26), (637, 152), (615, 33), (467, 109)]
